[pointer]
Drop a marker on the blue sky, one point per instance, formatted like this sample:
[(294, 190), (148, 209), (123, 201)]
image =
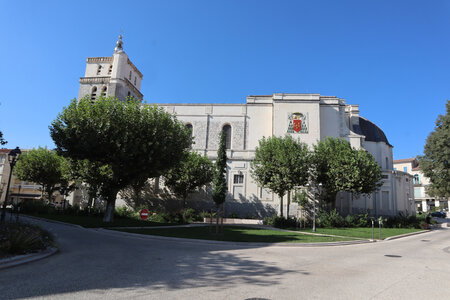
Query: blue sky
[(390, 57)]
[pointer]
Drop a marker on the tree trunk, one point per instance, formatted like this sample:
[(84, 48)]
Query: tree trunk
[(288, 203), (110, 206), (217, 219), (281, 205)]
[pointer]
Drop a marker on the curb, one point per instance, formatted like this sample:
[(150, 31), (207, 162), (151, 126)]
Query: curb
[(52, 221), (241, 244), (26, 258), (405, 235)]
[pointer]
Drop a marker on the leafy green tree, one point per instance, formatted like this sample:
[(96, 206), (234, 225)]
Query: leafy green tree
[(220, 189), (193, 172), (92, 174), (339, 167), (134, 141), (2, 140), (44, 167), (435, 163), (280, 164)]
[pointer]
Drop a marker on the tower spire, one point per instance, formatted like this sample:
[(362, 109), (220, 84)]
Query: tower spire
[(119, 45)]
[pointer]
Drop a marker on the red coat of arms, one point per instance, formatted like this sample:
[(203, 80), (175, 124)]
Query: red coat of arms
[(296, 122)]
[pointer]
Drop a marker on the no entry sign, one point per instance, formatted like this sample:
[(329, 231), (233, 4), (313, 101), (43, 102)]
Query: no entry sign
[(144, 214)]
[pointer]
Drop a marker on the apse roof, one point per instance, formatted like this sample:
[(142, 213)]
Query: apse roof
[(372, 132)]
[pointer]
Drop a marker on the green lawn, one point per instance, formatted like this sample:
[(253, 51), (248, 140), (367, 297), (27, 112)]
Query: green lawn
[(237, 234), (365, 233), (97, 221)]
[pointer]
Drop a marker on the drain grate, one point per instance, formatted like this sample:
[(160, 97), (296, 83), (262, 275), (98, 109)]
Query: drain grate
[(392, 255)]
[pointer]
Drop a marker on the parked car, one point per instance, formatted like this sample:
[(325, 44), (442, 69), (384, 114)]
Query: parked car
[(438, 214)]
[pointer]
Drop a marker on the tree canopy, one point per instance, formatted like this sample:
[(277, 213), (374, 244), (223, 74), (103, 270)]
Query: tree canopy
[(280, 164), (193, 172), (435, 163), (2, 140), (44, 167), (339, 167), (135, 141)]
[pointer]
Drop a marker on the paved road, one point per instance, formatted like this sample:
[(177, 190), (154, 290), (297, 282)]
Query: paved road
[(98, 265)]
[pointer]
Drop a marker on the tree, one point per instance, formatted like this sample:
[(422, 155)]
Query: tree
[(134, 141), (435, 163), (2, 140), (192, 172), (220, 189), (339, 167), (280, 164), (42, 166), (92, 174)]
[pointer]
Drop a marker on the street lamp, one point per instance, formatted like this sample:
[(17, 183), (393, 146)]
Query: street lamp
[(13, 155)]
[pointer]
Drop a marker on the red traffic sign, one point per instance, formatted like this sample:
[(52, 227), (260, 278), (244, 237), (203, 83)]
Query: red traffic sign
[(144, 214)]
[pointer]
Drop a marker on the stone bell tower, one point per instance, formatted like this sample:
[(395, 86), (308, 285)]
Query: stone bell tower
[(114, 76)]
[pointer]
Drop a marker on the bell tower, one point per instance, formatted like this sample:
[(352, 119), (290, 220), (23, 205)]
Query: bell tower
[(113, 76)]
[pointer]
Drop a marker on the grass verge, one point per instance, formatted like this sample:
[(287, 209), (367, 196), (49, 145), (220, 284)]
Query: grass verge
[(97, 221), (237, 234), (364, 233)]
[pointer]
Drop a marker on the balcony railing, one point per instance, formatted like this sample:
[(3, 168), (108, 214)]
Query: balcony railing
[(90, 80), (99, 59)]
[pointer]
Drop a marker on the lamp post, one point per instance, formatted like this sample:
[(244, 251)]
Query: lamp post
[(13, 155)]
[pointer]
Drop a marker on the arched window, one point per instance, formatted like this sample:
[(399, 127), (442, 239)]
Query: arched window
[(103, 94), (110, 70), (129, 76), (189, 127), (94, 93), (129, 94), (227, 130), (99, 69)]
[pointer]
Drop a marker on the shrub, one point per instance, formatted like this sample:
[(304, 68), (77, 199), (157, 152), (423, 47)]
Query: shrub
[(188, 215), (21, 238), (206, 214), (234, 215), (124, 212), (280, 222), (36, 207)]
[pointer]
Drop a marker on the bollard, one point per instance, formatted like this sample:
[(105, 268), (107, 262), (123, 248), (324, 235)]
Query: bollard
[(373, 231)]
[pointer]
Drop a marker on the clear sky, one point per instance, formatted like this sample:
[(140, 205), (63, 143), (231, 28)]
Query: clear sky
[(390, 57)]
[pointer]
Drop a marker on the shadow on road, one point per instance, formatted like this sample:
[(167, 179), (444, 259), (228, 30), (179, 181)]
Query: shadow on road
[(91, 260)]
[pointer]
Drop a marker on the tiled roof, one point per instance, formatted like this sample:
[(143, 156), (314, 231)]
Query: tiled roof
[(404, 160)]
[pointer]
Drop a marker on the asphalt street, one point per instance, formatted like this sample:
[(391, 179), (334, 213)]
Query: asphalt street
[(96, 264)]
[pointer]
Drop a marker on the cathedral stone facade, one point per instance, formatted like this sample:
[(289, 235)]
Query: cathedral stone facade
[(306, 117)]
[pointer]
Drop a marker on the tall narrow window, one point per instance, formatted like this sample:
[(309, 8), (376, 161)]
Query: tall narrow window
[(99, 69), (110, 70), (129, 76), (129, 94), (405, 169), (227, 130), (103, 94), (134, 80), (387, 163), (94, 93), (189, 127)]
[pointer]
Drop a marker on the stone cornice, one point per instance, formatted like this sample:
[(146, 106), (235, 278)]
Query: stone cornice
[(133, 88), (134, 68)]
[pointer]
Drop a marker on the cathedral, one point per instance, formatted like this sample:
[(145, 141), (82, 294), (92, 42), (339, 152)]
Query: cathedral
[(306, 117)]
